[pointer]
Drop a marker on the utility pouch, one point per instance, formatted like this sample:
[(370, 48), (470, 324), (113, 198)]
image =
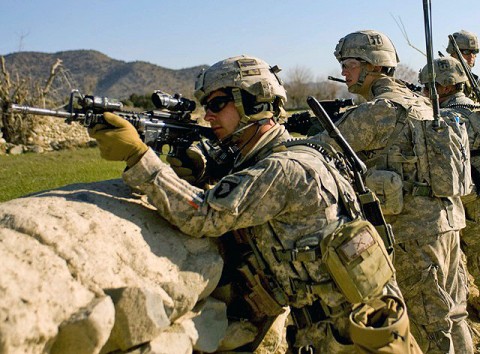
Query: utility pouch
[(448, 157), (382, 326), (357, 260), (258, 297), (388, 187)]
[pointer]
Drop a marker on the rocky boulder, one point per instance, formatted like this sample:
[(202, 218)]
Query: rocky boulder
[(92, 268)]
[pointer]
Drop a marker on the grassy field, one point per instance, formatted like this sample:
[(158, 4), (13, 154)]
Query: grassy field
[(24, 174)]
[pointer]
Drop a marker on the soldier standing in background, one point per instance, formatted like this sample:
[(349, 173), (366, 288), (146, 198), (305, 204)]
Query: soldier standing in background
[(280, 201), (427, 251), (450, 79), (468, 44)]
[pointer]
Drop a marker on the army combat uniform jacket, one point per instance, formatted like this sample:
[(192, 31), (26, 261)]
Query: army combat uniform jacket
[(279, 197)]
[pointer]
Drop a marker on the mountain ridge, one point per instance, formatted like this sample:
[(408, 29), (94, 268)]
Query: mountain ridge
[(93, 72)]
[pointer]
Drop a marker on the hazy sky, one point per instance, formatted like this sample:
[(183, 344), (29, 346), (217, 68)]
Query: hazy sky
[(180, 34)]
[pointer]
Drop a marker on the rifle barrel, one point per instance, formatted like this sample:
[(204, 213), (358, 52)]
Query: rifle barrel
[(39, 111), (336, 79)]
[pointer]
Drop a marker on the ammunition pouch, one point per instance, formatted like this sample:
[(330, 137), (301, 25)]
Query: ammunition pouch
[(316, 312), (388, 187), (307, 315), (357, 260)]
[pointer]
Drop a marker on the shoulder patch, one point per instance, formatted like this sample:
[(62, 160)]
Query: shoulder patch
[(225, 188)]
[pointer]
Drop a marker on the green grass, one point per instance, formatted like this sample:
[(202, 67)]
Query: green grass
[(28, 173)]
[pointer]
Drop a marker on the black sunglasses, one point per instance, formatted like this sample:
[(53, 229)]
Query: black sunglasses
[(217, 103), (469, 51)]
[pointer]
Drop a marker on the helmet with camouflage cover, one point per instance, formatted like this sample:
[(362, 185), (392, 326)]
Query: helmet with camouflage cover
[(250, 75), (371, 46), (465, 41), (448, 71)]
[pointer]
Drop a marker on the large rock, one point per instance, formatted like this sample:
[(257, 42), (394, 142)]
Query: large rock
[(77, 260)]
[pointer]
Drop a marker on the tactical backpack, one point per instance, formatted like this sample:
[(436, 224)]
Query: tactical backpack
[(441, 149)]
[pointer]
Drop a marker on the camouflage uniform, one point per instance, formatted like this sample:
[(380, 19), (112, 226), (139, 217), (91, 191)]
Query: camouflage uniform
[(261, 198), (449, 73), (427, 250), (471, 203)]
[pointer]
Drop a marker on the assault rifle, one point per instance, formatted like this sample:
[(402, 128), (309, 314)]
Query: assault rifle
[(369, 202), (466, 68), (306, 124), (169, 126)]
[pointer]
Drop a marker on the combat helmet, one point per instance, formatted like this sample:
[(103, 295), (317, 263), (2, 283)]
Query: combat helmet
[(448, 71), (245, 76), (465, 41), (371, 46)]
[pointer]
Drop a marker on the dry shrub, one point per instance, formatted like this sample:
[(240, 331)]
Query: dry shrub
[(15, 127)]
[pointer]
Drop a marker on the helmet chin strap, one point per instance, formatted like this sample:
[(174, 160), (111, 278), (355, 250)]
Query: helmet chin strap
[(231, 151), (246, 121), (233, 137), (359, 87)]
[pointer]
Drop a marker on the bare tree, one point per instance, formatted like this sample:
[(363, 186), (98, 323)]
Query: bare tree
[(298, 84), (15, 126), (328, 90), (406, 73)]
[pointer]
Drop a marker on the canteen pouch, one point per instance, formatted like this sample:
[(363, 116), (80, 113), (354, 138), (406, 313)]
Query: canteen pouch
[(388, 187), (382, 326), (357, 260)]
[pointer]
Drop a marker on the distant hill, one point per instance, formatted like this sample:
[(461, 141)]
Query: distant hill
[(95, 73)]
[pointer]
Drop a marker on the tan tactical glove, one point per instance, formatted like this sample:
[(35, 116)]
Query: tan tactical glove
[(120, 143), (190, 167)]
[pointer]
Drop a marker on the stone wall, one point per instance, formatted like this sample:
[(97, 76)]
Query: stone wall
[(48, 134)]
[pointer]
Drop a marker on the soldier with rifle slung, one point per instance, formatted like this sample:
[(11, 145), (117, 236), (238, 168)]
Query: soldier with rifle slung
[(291, 214), (426, 227), (468, 46)]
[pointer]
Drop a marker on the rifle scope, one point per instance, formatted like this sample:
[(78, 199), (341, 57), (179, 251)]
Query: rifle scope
[(176, 103)]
